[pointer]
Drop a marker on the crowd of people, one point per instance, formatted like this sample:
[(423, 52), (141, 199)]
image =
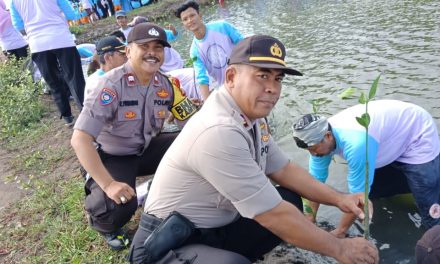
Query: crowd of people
[(99, 9), (223, 191)]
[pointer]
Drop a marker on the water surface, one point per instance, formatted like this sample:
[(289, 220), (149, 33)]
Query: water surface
[(341, 44)]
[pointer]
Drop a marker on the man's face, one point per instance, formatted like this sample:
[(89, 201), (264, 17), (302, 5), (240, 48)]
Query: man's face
[(191, 20), (122, 21), (255, 90), (116, 59), (323, 148), (147, 57)]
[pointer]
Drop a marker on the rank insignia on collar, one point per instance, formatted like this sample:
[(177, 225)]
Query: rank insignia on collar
[(130, 79), (162, 93), (156, 80), (107, 96), (262, 126), (244, 122), (265, 138)]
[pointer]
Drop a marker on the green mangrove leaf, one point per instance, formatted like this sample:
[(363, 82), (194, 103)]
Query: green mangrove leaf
[(373, 88), (361, 121), (348, 93), (366, 118), (363, 98)]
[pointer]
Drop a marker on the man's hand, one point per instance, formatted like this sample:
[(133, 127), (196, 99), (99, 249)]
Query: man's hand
[(354, 203), (172, 28), (119, 192), (358, 250), (197, 102)]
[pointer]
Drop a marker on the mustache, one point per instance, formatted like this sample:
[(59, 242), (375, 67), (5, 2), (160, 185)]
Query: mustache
[(156, 59)]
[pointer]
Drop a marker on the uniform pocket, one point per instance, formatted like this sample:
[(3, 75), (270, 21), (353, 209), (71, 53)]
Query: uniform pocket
[(96, 200), (128, 121)]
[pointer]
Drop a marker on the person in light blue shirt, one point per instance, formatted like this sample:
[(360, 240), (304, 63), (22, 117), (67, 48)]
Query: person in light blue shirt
[(403, 152), (211, 46)]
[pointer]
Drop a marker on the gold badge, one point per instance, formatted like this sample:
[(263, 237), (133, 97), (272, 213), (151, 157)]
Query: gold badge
[(130, 115), (262, 126), (161, 113), (162, 93), (265, 138), (276, 51)]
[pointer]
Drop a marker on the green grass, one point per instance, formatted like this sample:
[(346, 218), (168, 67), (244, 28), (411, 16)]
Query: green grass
[(50, 227), (20, 104)]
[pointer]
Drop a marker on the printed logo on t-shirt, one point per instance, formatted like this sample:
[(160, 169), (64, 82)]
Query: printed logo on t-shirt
[(217, 56), (107, 96)]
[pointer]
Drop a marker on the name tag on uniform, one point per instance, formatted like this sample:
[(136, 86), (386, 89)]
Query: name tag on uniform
[(128, 103)]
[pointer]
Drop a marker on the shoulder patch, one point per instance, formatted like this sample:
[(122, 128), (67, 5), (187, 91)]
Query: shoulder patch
[(107, 96)]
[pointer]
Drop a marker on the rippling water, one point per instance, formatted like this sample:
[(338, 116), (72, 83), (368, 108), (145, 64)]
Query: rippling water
[(341, 44)]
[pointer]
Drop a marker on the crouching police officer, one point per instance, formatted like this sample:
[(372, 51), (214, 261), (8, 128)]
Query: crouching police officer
[(118, 133)]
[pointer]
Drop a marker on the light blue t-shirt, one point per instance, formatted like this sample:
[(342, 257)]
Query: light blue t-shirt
[(210, 54), (398, 131)]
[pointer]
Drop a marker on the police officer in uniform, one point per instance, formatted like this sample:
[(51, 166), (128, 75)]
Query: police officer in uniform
[(218, 175), (118, 133)]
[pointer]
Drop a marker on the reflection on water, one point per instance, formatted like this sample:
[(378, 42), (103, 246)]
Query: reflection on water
[(341, 44)]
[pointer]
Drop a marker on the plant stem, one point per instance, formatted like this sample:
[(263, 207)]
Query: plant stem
[(366, 201)]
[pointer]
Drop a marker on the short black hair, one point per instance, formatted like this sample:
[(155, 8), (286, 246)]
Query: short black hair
[(119, 34), (185, 6)]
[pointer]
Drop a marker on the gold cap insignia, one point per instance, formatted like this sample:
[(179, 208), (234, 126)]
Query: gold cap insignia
[(276, 51)]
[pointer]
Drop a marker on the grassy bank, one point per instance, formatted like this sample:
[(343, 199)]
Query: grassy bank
[(49, 225)]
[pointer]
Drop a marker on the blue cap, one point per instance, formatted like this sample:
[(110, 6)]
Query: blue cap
[(120, 13)]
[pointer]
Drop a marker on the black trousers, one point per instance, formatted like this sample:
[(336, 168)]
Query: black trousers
[(388, 181), (17, 53), (190, 253), (106, 216), (246, 236), (62, 71)]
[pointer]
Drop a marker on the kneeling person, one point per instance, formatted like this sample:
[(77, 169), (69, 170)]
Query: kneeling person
[(403, 152), (118, 133), (215, 180)]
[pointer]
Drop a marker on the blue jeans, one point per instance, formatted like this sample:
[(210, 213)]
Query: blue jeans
[(424, 183)]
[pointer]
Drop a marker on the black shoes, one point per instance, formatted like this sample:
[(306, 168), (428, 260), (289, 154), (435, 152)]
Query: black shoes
[(116, 240), (69, 121)]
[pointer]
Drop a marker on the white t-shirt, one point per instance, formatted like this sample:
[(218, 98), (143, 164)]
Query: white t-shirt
[(126, 31)]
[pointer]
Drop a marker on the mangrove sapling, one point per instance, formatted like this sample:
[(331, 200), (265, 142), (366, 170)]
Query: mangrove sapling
[(308, 211), (364, 121)]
